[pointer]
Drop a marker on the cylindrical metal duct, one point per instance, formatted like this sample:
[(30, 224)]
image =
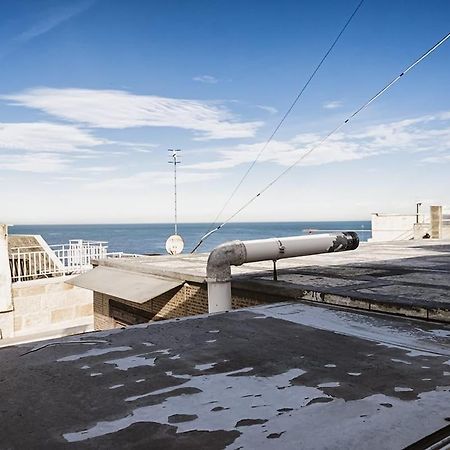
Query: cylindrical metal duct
[(235, 253), (288, 247)]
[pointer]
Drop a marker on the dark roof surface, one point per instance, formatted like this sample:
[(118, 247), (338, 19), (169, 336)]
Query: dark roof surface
[(285, 376)]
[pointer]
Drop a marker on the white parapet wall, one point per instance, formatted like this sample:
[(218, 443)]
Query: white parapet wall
[(393, 227), (402, 227)]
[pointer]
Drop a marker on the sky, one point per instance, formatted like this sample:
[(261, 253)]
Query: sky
[(94, 92)]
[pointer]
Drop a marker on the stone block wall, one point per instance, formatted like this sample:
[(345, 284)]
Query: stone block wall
[(436, 222), (47, 308), (189, 300)]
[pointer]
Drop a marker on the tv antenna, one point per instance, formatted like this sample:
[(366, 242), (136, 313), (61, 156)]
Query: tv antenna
[(174, 244)]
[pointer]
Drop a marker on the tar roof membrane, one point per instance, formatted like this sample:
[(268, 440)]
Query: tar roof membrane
[(285, 375)]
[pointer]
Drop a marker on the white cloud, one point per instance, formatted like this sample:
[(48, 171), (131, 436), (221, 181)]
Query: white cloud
[(437, 159), (121, 109), (209, 79), (422, 134), (34, 162), (69, 178), (48, 20), (269, 109), (144, 150), (46, 137), (52, 19), (333, 104), (143, 180), (98, 169)]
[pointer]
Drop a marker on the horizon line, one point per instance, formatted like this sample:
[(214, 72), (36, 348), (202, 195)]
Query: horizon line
[(183, 223)]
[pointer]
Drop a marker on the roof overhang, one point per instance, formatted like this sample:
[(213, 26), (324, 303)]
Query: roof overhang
[(131, 286)]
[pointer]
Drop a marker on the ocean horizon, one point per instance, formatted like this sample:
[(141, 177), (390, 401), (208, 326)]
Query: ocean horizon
[(150, 238)]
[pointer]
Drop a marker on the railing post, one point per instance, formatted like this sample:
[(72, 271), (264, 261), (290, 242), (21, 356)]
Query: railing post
[(19, 270)]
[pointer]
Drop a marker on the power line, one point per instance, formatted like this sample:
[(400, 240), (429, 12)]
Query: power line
[(291, 107), (335, 130)]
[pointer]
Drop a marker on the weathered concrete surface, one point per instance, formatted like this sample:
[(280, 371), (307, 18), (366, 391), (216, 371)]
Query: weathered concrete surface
[(284, 376), (410, 277)]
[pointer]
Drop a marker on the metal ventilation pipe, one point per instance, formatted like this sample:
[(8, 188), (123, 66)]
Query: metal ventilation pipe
[(235, 253)]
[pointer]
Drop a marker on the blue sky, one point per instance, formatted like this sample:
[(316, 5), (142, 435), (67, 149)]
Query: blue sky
[(92, 93)]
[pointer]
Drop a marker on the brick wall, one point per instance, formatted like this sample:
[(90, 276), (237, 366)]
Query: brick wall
[(189, 300)]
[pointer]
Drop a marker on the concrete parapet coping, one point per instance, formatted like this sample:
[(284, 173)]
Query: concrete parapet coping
[(370, 302), (60, 331)]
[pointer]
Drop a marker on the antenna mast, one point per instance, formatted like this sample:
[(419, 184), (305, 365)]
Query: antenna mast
[(175, 162)]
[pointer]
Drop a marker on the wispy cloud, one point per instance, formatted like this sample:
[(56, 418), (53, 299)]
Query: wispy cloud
[(53, 18), (334, 104), (46, 137), (208, 79), (69, 178), (121, 109), (269, 109), (34, 162), (48, 20), (438, 159), (422, 134), (98, 169), (143, 180), (144, 150)]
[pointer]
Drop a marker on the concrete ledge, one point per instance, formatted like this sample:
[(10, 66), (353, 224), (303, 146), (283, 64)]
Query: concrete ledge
[(47, 334), (279, 290)]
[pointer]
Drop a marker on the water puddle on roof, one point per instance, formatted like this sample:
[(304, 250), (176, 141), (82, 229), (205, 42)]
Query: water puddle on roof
[(131, 361), (222, 401), (204, 366), (331, 384), (94, 352)]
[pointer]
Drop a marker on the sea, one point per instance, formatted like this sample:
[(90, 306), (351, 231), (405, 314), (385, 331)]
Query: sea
[(151, 238)]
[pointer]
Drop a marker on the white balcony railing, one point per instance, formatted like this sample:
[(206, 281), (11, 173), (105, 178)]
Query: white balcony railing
[(30, 263)]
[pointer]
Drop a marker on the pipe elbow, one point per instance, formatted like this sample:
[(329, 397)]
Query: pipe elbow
[(220, 260)]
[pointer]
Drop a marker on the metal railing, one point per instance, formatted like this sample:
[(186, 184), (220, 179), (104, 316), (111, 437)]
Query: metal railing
[(31, 263), (77, 254)]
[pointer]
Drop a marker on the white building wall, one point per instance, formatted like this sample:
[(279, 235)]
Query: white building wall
[(400, 227), (393, 227)]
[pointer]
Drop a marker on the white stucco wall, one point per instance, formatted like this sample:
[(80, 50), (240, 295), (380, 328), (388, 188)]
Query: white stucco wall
[(393, 227)]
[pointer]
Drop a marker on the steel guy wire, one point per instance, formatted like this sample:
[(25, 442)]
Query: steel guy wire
[(324, 139)]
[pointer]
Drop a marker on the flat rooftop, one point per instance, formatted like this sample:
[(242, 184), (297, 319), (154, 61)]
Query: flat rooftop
[(286, 375), (406, 277)]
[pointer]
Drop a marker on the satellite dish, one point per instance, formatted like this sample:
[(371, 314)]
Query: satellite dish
[(174, 244)]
